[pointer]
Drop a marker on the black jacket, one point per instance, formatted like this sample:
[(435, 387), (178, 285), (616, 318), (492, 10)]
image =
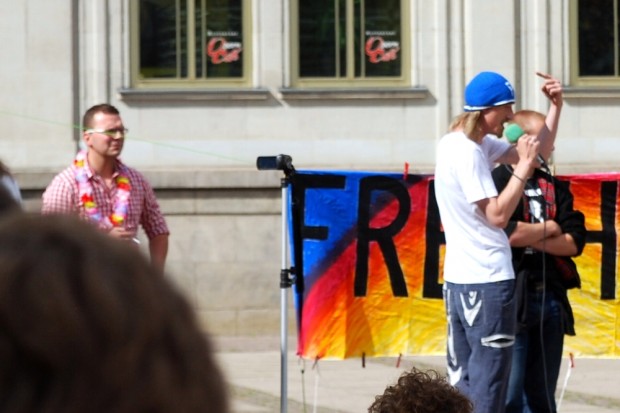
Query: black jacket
[(570, 220)]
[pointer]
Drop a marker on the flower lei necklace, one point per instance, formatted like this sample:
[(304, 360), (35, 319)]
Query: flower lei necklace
[(85, 193)]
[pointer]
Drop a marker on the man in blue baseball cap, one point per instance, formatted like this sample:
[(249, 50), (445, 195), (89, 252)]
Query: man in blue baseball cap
[(478, 274)]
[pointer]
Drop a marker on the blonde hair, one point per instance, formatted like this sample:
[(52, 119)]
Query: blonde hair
[(467, 122)]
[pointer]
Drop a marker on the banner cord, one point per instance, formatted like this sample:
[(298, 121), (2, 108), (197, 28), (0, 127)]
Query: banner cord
[(317, 376), (303, 382)]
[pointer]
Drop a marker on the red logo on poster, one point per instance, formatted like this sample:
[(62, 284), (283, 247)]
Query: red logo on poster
[(221, 51), (378, 50)]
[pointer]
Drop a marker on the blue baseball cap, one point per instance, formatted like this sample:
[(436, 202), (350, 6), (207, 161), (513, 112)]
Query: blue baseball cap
[(488, 89)]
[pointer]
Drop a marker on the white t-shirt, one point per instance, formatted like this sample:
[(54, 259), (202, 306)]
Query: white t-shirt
[(476, 251)]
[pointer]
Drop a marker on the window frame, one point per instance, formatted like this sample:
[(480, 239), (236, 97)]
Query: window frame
[(190, 82), (402, 81), (589, 81)]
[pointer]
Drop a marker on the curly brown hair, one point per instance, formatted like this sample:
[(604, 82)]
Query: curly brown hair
[(421, 392), (88, 325)]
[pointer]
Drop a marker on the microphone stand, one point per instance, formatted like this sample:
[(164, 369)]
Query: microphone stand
[(285, 164)]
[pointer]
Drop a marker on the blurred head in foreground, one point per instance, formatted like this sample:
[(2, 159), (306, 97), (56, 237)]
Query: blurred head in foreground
[(421, 392), (88, 325)]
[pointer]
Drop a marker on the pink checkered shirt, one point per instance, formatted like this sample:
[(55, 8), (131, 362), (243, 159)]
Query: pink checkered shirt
[(62, 196)]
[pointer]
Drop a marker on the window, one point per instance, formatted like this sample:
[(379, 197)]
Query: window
[(596, 57), (189, 43), (344, 43)]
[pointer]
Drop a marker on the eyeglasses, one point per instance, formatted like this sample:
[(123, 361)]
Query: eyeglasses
[(112, 133)]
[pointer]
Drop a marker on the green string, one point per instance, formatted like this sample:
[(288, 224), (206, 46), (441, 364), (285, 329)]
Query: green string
[(132, 138)]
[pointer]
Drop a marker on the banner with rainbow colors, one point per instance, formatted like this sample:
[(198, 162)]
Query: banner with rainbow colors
[(368, 249)]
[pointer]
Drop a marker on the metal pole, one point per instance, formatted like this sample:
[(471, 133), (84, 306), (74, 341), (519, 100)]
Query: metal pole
[(284, 285), (283, 163)]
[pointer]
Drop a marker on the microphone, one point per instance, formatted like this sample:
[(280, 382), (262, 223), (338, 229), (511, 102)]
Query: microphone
[(513, 132)]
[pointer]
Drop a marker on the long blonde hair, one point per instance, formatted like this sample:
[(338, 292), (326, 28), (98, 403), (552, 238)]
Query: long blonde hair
[(466, 122)]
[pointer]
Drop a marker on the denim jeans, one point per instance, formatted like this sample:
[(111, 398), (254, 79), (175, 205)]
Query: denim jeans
[(536, 360), (481, 333)]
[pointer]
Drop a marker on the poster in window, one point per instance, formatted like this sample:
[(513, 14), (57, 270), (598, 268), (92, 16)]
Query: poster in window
[(223, 50)]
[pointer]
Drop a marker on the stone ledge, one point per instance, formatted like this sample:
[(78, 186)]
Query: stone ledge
[(590, 92), (191, 179), (192, 95), (177, 179), (339, 94), (197, 201)]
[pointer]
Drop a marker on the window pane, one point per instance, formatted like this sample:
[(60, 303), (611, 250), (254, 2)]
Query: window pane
[(337, 34), (317, 38), (215, 44), (342, 38), (382, 38), (200, 50), (223, 44), (596, 38), (182, 37), (159, 48), (358, 28)]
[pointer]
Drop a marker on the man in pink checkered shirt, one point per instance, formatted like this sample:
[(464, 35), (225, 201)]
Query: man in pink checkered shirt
[(100, 188)]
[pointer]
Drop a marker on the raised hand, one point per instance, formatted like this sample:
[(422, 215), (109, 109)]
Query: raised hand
[(551, 88)]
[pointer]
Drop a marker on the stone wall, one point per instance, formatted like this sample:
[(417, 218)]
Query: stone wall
[(225, 244)]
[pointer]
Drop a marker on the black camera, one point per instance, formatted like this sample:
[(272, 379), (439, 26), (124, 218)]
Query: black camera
[(279, 162)]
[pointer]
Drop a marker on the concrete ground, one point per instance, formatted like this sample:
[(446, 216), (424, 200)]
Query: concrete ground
[(253, 369)]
